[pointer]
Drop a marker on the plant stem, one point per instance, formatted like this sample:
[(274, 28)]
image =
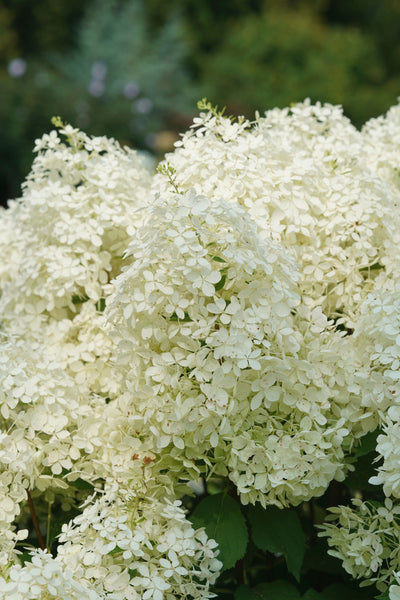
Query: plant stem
[(48, 525), (35, 522)]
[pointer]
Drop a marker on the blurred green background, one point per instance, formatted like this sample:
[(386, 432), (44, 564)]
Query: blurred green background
[(134, 69)]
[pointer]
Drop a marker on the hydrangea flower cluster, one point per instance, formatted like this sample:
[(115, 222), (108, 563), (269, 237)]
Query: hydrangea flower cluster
[(64, 241), (237, 314), (222, 361), (128, 545), (60, 423), (366, 540), (303, 174)]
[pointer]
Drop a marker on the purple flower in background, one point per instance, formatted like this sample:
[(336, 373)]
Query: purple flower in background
[(17, 67)]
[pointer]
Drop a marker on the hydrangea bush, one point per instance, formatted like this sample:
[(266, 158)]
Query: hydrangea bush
[(200, 367)]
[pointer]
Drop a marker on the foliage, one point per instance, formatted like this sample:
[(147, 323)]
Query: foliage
[(121, 77), (199, 368), (285, 55), (132, 70)]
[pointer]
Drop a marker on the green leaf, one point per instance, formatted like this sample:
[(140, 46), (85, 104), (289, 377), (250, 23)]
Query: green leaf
[(223, 521), (132, 573), (279, 531), (318, 559), (364, 469), (313, 595), (219, 259), (373, 267), (101, 305), (115, 550), (58, 518), (81, 484), (276, 590), (76, 299), (368, 443), (244, 592), (25, 557), (220, 284), (186, 318)]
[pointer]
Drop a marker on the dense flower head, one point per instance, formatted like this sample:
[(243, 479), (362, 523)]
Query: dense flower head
[(64, 241), (220, 359), (73, 220), (366, 539), (377, 335), (377, 341), (380, 136), (300, 173), (126, 544), (237, 314), (42, 578)]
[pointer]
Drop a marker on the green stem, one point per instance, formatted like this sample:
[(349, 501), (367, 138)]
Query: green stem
[(48, 525)]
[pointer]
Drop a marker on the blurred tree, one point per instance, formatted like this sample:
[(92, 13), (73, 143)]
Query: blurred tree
[(130, 68), (8, 37), (380, 20), (123, 77), (46, 25), (283, 56)]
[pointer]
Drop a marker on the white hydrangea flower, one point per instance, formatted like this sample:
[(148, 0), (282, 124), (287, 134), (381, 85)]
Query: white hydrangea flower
[(220, 361), (301, 173), (380, 136), (219, 356), (64, 240), (128, 544), (42, 578), (9, 539), (377, 341), (366, 539)]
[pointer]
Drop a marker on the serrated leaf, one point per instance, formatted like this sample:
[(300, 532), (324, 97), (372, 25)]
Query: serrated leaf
[(367, 443), (279, 530), (223, 521)]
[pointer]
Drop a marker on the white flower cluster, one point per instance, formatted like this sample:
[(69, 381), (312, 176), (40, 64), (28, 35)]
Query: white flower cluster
[(222, 361), (238, 313), (377, 339), (64, 242), (126, 546), (366, 540), (63, 423), (302, 173)]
